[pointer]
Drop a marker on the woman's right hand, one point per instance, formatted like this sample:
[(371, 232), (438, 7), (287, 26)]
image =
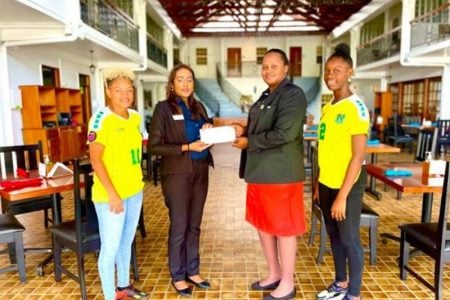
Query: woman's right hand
[(198, 146), (115, 204), (316, 191)]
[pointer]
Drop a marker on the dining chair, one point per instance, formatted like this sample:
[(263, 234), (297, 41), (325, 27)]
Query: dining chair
[(424, 144), (443, 136), (11, 232), (146, 160), (369, 218), (26, 157), (80, 234), (398, 135), (431, 239)]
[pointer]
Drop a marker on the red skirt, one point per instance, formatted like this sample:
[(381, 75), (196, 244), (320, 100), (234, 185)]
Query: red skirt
[(277, 209)]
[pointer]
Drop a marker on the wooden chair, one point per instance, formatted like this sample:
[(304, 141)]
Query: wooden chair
[(80, 235), (369, 218), (27, 158), (432, 239), (399, 136), (11, 232), (443, 136)]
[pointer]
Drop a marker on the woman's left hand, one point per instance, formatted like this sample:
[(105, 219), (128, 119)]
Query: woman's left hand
[(207, 125), (240, 143), (338, 208)]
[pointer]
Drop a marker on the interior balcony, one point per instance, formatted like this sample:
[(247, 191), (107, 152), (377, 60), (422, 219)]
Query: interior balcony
[(111, 21)]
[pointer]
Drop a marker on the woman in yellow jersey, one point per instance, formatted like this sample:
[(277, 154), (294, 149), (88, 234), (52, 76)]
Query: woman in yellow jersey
[(343, 132), (115, 144)]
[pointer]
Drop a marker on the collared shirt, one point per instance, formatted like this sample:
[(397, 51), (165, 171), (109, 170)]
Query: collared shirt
[(192, 128)]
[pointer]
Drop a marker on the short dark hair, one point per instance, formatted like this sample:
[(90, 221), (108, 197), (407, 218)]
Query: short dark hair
[(342, 51), (281, 53)]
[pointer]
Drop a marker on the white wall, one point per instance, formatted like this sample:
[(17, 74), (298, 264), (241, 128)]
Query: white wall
[(400, 73), (217, 51), (60, 10), (24, 64)]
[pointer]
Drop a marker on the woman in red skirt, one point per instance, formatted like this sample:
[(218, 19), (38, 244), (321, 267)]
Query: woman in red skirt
[(272, 165)]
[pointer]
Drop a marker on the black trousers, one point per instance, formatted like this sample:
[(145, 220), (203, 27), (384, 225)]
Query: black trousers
[(185, 196), (344, 235)]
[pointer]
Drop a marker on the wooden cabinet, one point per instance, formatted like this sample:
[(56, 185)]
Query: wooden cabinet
[(55, 117), (383, 108)]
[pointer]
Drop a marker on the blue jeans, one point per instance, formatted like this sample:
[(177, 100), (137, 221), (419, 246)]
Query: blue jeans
[(117, 233)]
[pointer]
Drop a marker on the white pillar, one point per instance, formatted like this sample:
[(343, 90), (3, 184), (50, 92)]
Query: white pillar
[(140, 17), (6, 131), (354, 43), (140, 101), (445, 93), (168, 45)]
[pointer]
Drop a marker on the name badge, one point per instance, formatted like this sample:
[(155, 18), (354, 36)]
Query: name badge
[(178, 117)]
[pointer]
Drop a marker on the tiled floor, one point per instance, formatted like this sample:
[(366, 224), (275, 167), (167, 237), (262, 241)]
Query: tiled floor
[(230, 251)]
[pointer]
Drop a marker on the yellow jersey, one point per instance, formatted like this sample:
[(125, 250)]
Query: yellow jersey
[(122, 140), (339, 122)]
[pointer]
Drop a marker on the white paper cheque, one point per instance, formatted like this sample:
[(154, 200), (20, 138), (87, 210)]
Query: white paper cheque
[(222, 134)]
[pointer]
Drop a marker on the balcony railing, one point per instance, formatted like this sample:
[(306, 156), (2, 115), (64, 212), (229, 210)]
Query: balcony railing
[(431, 27), (379, 48), (155, 52), (111, 21)]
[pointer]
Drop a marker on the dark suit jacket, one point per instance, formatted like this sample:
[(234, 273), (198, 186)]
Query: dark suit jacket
[(275, 137), (166, 137)]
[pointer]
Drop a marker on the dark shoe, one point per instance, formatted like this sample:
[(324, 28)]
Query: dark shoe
[(187, 292), (271, 286), (289, 296), (201, 285)]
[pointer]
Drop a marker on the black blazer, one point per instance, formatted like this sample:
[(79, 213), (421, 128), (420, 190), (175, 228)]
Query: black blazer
[(275, 137), (166, 137)]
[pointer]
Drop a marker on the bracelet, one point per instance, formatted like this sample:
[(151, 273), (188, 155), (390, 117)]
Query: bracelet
[(188, 147)]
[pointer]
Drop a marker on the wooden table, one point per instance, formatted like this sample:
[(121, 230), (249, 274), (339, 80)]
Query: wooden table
[(374, 150), (407, 184), (48, 187)]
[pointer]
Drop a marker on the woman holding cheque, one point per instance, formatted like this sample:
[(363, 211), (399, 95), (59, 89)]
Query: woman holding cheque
[(272, 166), (174, 135)]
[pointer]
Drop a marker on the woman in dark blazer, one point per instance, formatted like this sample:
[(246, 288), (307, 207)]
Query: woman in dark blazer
[(174, 135), (272, 165)]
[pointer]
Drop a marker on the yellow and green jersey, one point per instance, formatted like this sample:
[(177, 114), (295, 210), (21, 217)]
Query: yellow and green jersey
[(122, 140), (339, 122)]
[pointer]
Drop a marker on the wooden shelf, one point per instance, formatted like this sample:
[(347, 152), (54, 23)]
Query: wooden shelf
[(41, 107)]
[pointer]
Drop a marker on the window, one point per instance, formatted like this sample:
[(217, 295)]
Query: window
[(319, 51), (154, 30), (372, 29), (413, 93), (434, 99), (260, 51), (202, 56), (394, 90), (418, 98), (50, 76), (124, 5), (423, 7)]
